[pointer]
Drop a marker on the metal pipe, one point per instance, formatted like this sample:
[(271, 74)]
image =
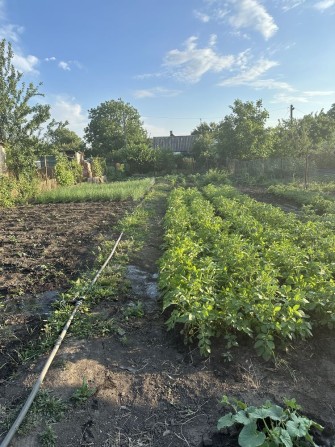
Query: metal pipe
[(57, 345)]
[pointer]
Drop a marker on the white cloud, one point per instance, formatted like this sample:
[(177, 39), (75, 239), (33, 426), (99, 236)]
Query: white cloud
[(251, 75), (201, 16), (192, 63), (11, 32), (25, 64), (64, 66), (64, 108), (287, 99), (325, 4), (154, 131), (251, 14), (156, 92), (50, 59), (287, 5), (319, 93)]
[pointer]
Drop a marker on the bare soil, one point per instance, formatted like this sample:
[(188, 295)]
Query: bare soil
[(149, 388)]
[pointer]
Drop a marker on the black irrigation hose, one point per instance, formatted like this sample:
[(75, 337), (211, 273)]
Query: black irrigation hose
[(57, 345)]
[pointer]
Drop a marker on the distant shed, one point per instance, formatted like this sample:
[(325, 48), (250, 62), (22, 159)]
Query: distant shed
[(177, 144)]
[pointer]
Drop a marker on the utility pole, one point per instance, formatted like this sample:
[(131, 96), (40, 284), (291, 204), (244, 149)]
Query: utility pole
[(291, 112)]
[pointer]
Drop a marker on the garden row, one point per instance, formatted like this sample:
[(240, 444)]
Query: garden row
[(233, 265)]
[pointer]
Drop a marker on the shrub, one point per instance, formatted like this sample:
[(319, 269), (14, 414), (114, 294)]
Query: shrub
[(64, 172)]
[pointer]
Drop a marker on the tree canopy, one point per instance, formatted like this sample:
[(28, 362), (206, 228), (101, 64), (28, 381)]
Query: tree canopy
[(20, 120), (114, 125)]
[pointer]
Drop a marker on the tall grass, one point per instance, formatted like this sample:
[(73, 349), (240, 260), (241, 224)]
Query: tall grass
[(84, 192)]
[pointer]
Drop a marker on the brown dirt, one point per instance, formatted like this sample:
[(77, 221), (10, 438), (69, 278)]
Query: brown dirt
[(151, 390)]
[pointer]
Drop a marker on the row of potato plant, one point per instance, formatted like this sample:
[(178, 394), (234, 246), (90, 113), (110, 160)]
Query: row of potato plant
[(318, 197), (233, 265)]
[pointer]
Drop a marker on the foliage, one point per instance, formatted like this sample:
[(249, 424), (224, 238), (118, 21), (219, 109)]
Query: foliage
[(64, 171), (83, 393), (58, 138), (19, 120), (48, 437), (7, 188), (113, 125), (233, 265), (315, 197), (269, 425), (204, 150), (243, 134), (117, 191), (139, 158), (98, 165), (164, 160), (14, 191)]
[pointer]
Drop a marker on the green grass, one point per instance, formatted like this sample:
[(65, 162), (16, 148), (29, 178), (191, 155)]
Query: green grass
[(116, 191)]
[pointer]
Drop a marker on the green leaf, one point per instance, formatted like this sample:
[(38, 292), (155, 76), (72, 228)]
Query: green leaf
[(243, 418), (250, 437), (285, 438), (226, 421), (274, 412), (298, 427)]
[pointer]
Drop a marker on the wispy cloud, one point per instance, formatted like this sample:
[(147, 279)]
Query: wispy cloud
[(312, 94), (156, 92), (67, 65), (252, 76), (191, 63), (287, 5), (242, 14), (252, 14), (11, 32), (201, 16), (50, 59), (64, 108), (302, 97), (64, 66), (325, 4)]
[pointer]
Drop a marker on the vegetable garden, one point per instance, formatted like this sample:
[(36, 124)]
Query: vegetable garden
[(233, 265)]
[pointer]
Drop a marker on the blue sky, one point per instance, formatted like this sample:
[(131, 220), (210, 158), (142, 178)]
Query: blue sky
[(177, 62)]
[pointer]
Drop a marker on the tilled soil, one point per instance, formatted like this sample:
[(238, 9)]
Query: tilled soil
[(151, 390), (43, 248)]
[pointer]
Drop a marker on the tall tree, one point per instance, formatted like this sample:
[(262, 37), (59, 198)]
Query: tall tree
[(19, 119), (114, 125), (242, 134)]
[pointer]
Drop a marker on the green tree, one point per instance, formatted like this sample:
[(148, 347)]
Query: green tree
[(205, 128), (242, 134), (139, 158), (20, 120), (114, 125), (58, 138), (313, 134), (204, 150), (331, 112)]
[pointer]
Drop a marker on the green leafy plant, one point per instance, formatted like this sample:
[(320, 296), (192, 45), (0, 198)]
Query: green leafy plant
[(133, 310), (83, 393), (269, 425), (48, 437)]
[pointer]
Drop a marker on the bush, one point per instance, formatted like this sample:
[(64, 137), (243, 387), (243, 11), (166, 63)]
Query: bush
[(7, 189), (64, 172), (98, 166)]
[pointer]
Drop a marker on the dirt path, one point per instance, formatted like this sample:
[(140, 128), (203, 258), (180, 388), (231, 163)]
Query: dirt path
[(151, 390)]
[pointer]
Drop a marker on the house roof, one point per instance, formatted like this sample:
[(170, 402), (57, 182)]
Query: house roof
[(182, 144)]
